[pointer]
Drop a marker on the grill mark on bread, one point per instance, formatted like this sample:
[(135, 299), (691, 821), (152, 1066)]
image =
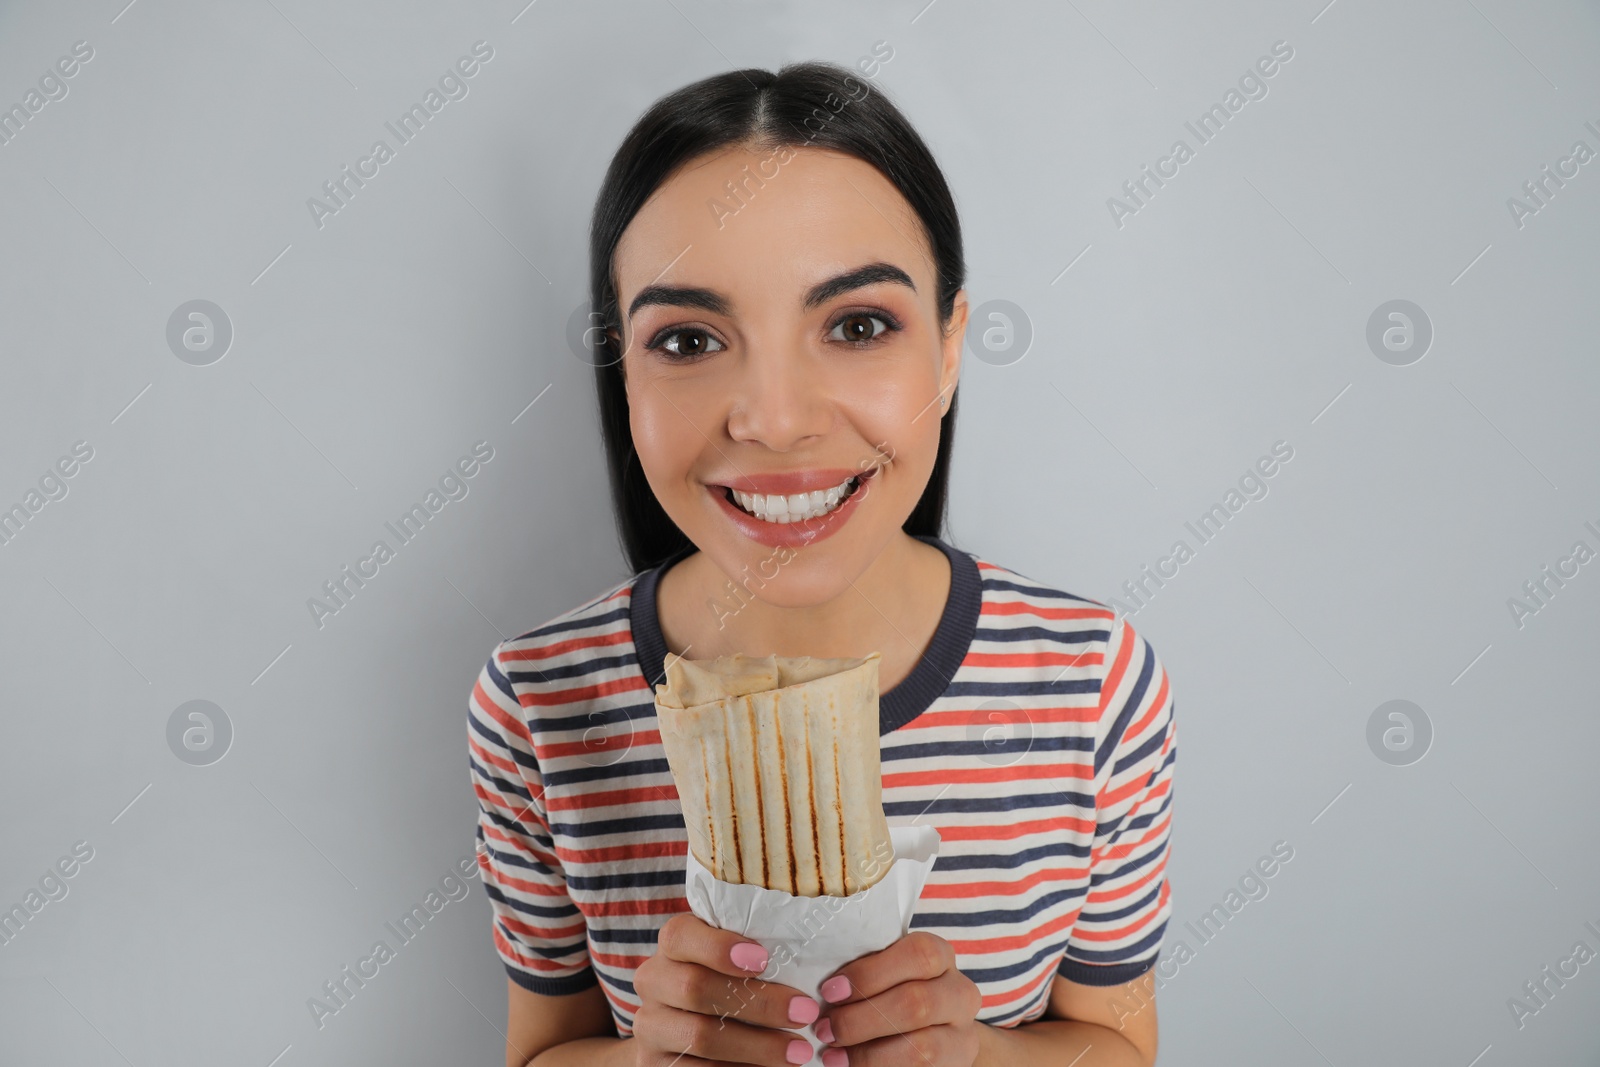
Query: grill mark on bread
[(811, 803), (838, 801), (711, 824), (788, 814), (761, 814), (738, 857)]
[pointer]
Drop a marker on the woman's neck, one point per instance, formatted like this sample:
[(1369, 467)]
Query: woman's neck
[(892, 608)]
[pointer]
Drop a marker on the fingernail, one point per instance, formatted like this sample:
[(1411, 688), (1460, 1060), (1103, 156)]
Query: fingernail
[(799, 1051), (825, 1031), (803, 1010), (749, 956), (834, 1057), (836, 989)]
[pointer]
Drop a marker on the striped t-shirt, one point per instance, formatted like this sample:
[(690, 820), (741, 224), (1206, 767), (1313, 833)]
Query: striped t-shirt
[(1036, 734)]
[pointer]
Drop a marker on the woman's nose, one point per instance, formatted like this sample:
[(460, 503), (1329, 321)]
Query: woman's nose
[(780, 399)]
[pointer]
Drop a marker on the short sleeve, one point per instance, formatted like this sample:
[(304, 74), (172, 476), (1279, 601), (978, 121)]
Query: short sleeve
[(538, 932), (1124, 916)]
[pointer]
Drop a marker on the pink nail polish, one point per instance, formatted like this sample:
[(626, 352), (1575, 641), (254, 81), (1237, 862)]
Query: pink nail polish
[(803, 1010), (824, 1031), (834, 1057), (748, 956), (836, 989), (799, 1051)]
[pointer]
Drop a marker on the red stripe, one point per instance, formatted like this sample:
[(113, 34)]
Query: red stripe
[(1013, 773), (971, 716), (964, 890), (571, 644), (508, 723), (522, 845), (615, 737), (644, 794), (1017, 941), (532, 963), (524, 885), (1016, 829), (1032, 659), (515, 805), (644, 906), (549, 933), (1137, 728), (630, 684), (1020, 607), (625, 962), (1028, 988), (644, 850), (1122, 849), (1109, 798), (485, 756), (1103, 895), (1119, 933)]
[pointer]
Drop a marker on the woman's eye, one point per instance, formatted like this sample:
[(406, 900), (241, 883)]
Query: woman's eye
[(858, 328), (688, 343)]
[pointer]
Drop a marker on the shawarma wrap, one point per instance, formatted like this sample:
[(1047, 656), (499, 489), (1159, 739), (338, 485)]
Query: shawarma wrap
[(776, 764)]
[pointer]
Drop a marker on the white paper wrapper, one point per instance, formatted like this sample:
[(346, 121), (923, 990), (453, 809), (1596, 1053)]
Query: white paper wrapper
[(808, 938)]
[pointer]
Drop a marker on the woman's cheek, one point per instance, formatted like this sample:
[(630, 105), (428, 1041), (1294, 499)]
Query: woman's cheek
[(663, 437)]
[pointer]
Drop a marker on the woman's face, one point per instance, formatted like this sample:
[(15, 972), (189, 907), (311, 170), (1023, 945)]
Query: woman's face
[(779, 343)]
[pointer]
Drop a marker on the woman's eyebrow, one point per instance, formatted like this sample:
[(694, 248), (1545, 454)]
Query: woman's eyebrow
[(871, 274), (821, 293), (680, 296)]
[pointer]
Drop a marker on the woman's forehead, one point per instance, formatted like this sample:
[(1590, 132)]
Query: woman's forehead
[(744, 220)]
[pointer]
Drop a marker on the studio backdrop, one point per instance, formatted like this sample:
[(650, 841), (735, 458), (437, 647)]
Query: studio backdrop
[(1283, 345)]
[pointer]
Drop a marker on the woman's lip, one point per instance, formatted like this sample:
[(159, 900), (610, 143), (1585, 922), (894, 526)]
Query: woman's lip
[(791, 483), (792, 534)]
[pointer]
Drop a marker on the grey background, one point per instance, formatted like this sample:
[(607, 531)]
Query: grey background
[(369, 355)]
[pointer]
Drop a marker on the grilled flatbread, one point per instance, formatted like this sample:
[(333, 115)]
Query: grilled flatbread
[(776, 763)]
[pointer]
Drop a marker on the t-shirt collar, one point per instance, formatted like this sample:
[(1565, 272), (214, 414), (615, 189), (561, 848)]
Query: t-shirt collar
[(911, 697)]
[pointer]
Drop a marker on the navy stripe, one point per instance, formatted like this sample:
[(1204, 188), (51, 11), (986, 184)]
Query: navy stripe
[(601, 772), (1032, 688), (517, 789), (1041, 633), (1139, 823), (619, 983), (566, 911), (595, 883), (576, 622), (1101, 957), (1130, 707), (990, 803), (965, 920), (1104, 974), (631, 824), (617, 715), (1004, 751), (552, 987), (1038, 591), (1133, 908), (1020, 969), (1000, 862), (625, 935), (575, 670)]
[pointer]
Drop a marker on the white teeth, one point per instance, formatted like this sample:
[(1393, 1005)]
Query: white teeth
[(796, 508)]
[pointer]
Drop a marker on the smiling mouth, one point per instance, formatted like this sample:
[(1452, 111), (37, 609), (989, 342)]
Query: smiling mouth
[(799, 507)]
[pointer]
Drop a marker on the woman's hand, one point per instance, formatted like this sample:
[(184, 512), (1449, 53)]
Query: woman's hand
[(701, 1002), (905, 1005)]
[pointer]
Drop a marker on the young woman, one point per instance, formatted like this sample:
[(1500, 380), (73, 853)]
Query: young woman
[(776, 272)]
